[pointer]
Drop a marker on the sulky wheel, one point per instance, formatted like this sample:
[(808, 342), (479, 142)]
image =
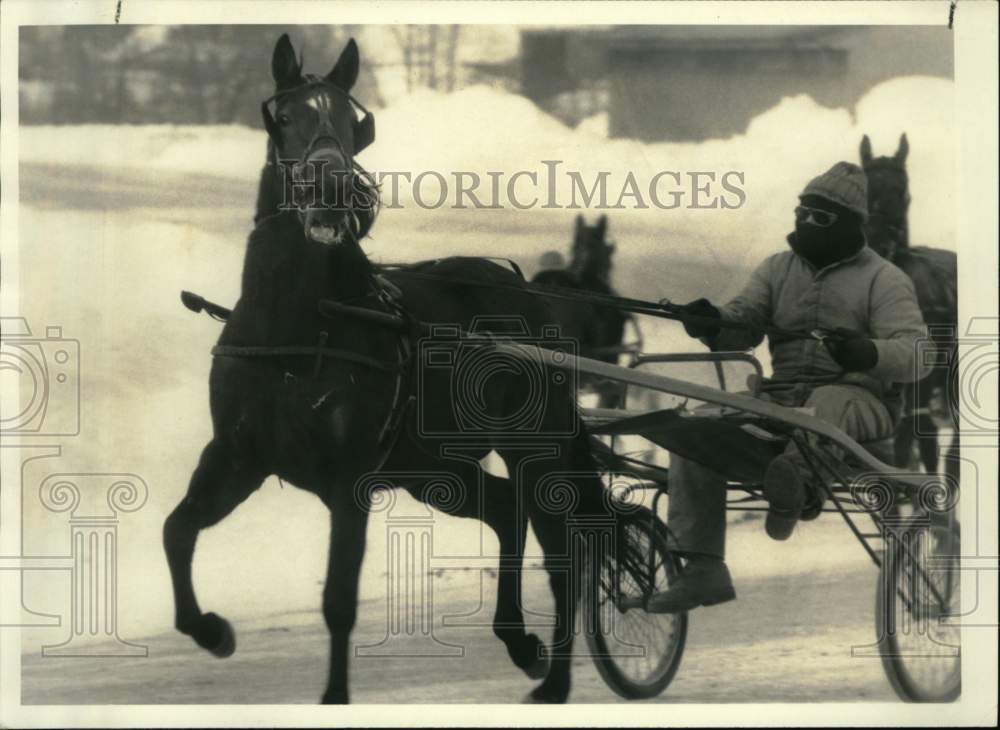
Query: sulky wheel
[(637, 653), (917, 611)]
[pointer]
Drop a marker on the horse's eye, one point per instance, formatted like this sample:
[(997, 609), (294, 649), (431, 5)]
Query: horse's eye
[(284, 120)]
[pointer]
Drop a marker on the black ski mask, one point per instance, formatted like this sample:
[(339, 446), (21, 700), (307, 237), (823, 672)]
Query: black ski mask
[(825, 246)]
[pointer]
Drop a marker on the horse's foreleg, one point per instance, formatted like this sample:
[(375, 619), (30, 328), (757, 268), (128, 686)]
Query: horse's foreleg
[(216, 488), (348, 527)]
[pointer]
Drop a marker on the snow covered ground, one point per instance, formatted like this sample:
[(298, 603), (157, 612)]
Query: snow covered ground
[(109, 235)]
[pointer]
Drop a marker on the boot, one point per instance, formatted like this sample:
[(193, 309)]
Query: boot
[(785, 492), (705, 581)]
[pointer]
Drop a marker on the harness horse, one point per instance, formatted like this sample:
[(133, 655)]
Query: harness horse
[(599, 330), (337, 400), (934, 273)]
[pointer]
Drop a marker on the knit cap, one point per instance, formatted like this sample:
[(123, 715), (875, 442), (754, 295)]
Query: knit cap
[(844, 184), (552, 260)]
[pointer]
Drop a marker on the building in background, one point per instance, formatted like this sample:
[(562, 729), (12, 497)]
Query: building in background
[(681, 83), (690, 83)]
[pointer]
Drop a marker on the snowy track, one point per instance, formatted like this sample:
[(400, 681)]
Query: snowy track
[(786, 639)]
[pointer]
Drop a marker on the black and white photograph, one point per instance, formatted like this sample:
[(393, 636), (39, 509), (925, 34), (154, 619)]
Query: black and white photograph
[(641, 356)]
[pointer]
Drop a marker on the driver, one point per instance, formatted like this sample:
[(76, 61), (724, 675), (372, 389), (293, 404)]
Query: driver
[(829, 280)]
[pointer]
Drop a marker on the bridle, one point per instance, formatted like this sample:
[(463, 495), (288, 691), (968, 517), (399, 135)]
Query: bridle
[(364, 128)]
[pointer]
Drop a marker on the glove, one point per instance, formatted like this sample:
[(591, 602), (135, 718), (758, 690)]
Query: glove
[(701, 308), (852, 351)]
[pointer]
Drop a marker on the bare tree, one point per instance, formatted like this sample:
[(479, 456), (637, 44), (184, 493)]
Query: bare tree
[(429, 55)]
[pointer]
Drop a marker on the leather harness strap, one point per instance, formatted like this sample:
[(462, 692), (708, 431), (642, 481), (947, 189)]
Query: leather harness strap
[(304, 351), (397, 318)]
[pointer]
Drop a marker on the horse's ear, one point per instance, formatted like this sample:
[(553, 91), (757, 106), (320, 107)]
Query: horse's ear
[(602, 226), (866, 150), (345, 72), (284, 67), (903, 150), (579, 221)]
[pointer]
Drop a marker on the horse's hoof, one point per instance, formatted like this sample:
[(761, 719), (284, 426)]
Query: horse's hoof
[(335, 698), (541, 695), (539, 668), (219, 636)]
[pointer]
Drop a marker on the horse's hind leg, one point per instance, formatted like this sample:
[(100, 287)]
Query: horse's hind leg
[(905, 435), (497, 506), (928, 444), (501, 511), (552, 534), (554, 504), (952, 460), (217, 487)]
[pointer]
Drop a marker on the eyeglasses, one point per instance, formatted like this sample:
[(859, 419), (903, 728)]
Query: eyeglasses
[(814, 216)]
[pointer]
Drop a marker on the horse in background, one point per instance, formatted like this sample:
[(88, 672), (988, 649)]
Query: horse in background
[(598, 330), (934, 273)]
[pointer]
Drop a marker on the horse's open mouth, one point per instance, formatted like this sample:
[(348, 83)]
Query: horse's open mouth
[(330, 235), (327, 227)]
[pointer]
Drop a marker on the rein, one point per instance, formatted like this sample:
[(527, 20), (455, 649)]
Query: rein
[(662, 310)]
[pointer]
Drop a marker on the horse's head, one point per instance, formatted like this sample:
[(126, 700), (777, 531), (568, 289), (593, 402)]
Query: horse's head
[(591, 251), (316, 129), (888, 198)]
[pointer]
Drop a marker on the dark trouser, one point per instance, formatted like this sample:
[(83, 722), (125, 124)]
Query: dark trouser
[(697, 506)]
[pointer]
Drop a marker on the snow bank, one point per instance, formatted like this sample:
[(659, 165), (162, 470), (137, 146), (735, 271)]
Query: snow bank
[(482, 130), (230, 151)]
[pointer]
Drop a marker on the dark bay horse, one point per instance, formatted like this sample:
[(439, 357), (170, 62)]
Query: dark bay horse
[(310, 397), (934, 273), (597, 330)]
